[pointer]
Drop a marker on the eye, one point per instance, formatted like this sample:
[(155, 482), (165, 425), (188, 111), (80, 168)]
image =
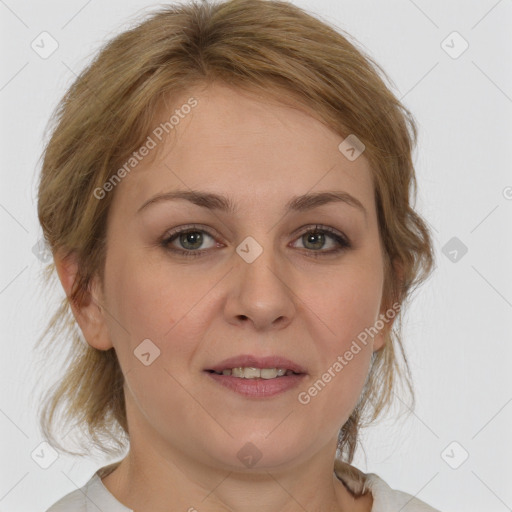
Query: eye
[(315, 240), (188, 241)]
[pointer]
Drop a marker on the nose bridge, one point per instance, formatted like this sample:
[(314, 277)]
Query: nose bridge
[(259, 263)]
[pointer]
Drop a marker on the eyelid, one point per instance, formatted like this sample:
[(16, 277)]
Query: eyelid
[(190, 227), (306, 228)]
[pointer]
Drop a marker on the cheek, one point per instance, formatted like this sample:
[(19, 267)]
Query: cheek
[(155, 301), (146, 299), (348, 303), (348, 306)]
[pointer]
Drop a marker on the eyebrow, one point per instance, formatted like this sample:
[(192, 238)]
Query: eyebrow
[(213, 201)]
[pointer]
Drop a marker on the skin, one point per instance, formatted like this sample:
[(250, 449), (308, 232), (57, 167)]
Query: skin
[(186, 430)]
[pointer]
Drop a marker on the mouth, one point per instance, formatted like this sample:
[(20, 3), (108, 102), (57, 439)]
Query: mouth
[(253, 367), (257, 377), (250, 372)]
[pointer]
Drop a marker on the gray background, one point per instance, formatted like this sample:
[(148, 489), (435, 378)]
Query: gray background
[(458, 334)]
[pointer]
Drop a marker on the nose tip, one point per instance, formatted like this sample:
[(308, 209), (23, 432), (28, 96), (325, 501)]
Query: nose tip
[(260, 295)]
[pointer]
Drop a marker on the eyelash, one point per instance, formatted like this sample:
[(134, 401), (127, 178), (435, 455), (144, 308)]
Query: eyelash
[(342, 240)]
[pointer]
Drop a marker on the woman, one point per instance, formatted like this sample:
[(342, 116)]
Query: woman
[(226, 194)]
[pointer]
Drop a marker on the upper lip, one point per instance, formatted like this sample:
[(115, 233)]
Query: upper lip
[(250, 361)]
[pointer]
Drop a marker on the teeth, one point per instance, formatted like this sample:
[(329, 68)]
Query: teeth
[(255, 373)]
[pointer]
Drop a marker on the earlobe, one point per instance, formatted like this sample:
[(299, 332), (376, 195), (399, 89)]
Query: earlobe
[(89, 313), (389, 312), (380, 340), (385, 322)]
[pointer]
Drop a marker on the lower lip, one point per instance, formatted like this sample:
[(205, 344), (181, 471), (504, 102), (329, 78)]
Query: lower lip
[(258, 388)]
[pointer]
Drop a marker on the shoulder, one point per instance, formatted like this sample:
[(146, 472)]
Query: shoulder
[(384, 497), (93, 496), (72, 502)]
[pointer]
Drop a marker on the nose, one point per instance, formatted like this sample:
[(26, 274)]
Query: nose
[(260, 293)]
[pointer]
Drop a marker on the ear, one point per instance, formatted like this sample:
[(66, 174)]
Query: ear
[(390, 309), (90, 314)]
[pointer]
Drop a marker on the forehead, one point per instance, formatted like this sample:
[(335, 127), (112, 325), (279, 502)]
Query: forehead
[(245, 145)]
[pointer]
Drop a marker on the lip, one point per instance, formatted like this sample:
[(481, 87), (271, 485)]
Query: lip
[(257, 388), (251, 361)]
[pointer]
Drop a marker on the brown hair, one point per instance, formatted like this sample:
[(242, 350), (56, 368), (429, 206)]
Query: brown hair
[(108, 112)]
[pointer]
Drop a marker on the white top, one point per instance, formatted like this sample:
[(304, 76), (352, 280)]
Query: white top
[(94, 496)]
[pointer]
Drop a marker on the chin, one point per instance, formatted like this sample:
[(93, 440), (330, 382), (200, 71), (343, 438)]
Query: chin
[(254, 452)]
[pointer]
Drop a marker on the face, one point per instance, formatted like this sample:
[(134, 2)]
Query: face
[(273, 276)]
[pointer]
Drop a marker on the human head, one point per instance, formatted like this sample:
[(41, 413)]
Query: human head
[(110, 110)]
